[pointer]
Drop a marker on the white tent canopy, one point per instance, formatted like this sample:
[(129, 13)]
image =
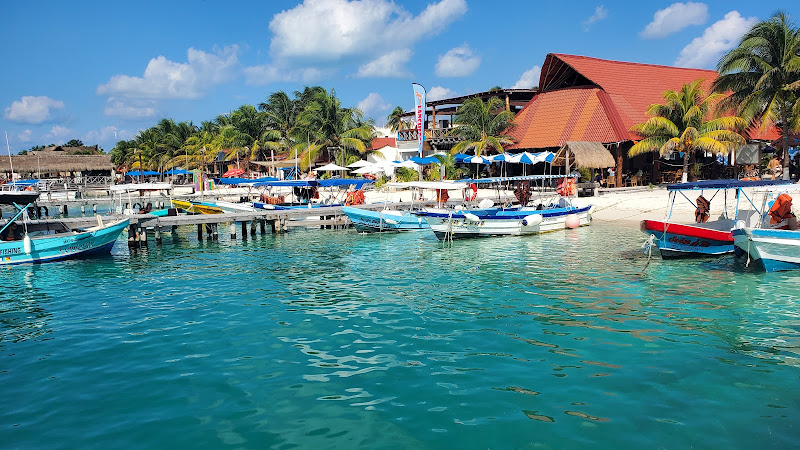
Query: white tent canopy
[(359, 163)]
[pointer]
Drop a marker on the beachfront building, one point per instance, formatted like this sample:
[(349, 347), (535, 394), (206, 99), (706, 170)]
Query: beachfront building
[(439, 116), (595, 100), (61, 165)]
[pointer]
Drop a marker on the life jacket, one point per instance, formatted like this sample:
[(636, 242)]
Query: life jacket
[(354, 198), (781, 209), (703, 207), (522, 192), (566, 187)]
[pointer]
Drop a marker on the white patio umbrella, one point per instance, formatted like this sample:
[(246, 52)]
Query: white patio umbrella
[(330, 168), (372, 169), (360, 163)]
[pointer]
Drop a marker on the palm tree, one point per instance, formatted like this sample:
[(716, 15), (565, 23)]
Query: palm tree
[(480, 126), (680, 125), (763, 76), (395, 119), (330, 129)]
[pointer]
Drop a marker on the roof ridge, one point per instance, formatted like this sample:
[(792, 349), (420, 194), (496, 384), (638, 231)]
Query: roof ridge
[(559, 55)]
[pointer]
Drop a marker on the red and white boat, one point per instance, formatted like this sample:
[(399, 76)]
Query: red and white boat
[(704, 237)]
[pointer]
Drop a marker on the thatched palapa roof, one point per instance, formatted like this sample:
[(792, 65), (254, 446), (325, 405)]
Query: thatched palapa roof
[(56, 162), (591, 155)]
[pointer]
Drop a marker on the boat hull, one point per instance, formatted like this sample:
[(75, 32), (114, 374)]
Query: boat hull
[(56, 247), (774, 250), (196, 207), (458, 225), (382, 221), (688, 241)]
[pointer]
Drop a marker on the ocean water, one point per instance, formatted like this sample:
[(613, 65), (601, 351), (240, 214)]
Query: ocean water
[(332, 339)]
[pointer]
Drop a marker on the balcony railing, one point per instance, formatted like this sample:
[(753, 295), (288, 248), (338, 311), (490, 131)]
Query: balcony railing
[(430, 134)]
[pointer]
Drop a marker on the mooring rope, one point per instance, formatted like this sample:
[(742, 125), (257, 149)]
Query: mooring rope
[(648, 248)]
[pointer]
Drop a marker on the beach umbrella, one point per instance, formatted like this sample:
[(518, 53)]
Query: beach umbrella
[(368, 169), (425, 161), (477, 160), (146, 173), (178, 171), (232, 173), (409, 164), (330, 168), (359, 163)]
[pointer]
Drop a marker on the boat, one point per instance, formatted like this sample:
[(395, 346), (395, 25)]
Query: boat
[(365, 220), (193, 207), (21, 192), (330, 192), (140, 198), (25, 241), (705, 237), (772, 240), (550, 211)]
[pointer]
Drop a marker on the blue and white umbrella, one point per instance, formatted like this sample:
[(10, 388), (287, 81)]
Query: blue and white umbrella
[(477, 160)]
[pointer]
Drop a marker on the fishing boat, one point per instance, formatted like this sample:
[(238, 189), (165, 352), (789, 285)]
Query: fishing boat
[(705, 237), (193, 207), (21, 192), (772, 240), (25, 241), (365, 220), (549, 211), (330, 192)]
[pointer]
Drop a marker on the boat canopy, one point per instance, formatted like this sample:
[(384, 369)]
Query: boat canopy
[(140, 187), (782, 188), (22, 183), (358, 183), (427, 185), (235, 180), (505, 179), (725, 184)]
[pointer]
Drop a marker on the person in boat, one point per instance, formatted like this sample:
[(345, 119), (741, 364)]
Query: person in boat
[(701, 214), (12, 233)]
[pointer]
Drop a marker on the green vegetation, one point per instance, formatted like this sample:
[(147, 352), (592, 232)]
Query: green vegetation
[(680, 125), (313, 125), (480, 126), (763, 76)]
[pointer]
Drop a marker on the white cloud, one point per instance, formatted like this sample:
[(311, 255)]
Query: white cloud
[(438, 93), (59, 134), (373, 104), (104, 134), (529, 78), (130, 109), (336, 30), (600, 13), (31, 109), (674, 18), (164, 79), (723, 35), (389, 65), (457, 62), (25, 136), (266, 74)]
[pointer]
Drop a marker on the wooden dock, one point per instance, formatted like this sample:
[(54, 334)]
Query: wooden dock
[(241, 224)]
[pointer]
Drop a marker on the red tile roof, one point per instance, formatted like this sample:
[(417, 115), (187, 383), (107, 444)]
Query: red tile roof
[(592, 99), (383, 142)]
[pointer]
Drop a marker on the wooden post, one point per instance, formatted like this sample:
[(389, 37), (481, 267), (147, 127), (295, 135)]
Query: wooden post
[(244, 230), (158, 235), (215, 232), (132, 235), (233, 230), (272, 225), (262, 223), (252, 228), (200, 232)]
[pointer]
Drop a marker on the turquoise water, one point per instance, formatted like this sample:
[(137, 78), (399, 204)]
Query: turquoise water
[(331, 339)]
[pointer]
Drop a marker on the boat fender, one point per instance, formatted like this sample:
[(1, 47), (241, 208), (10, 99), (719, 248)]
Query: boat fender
[(137, 206), (472, 217), (572, 221), (531, 220), (27, 245)]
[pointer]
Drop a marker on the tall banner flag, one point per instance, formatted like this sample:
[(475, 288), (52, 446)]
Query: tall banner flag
[(419, 107)]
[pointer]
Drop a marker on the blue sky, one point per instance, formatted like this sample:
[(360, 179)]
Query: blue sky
[(89, 69)]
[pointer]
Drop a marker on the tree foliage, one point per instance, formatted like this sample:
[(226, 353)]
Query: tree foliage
[(480, 126), (681, 124), (763, 76)]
